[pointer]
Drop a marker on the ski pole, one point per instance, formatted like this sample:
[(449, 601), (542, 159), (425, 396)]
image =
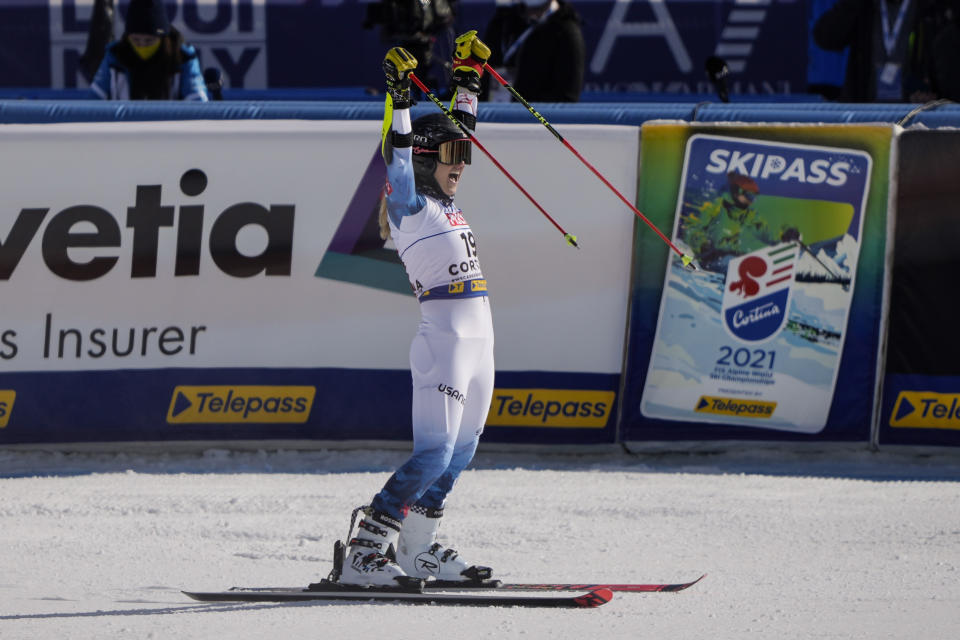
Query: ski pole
[(688, 261), (569, 237), (814, 256)]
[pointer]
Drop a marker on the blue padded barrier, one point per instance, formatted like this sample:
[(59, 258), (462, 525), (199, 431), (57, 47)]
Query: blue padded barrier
[(32, 112), (935, 119), (816, 112), (367, 94)]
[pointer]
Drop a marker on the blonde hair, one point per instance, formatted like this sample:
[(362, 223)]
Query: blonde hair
[(382, 218)]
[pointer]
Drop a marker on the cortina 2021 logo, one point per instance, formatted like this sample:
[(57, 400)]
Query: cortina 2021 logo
[(756, 294)]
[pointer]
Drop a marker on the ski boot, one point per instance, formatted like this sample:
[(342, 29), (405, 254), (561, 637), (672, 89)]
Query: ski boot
[(369, 559), (421, 556)]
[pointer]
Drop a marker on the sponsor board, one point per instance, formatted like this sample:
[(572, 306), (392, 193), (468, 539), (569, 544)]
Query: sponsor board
[(232, 404), (7, 396), (776, 229), (206, 259), (921, 382), (550, 408), (926, 410), (186, 261)]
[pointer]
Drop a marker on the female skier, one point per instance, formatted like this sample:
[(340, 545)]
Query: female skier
[(451, 357)]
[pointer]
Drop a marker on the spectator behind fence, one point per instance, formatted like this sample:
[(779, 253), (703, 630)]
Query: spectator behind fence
[(99, 36), (150, 61), (900, 50), (537, 47), (422, 27), (946, 53)]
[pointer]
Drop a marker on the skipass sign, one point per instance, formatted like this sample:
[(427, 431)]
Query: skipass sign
[(754, 338)]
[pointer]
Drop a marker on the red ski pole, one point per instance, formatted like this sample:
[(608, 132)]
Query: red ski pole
[(688, 261), (569, 237)]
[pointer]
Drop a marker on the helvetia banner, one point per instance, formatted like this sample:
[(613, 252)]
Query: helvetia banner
[(226, 280), (755, 337)]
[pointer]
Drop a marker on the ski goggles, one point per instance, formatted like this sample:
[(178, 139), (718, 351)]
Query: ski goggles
[(450, 152), (737, 192)]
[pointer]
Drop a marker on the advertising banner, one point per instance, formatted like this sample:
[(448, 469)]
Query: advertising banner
[(776, 229), (752, 344), (224, 280), (921, 390)]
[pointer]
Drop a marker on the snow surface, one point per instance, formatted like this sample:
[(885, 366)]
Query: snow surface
[(795, 544)]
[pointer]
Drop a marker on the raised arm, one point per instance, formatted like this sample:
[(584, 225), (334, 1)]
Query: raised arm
[(469, 56), (397, 137)]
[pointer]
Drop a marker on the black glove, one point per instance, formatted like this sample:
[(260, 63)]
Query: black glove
[(397, 66), (469, 56)]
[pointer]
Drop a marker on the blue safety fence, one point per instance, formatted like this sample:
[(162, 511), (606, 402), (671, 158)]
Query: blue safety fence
[(43, 111)]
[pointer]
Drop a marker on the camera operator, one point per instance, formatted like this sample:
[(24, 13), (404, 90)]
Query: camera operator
[(422, 27), (538, 46)]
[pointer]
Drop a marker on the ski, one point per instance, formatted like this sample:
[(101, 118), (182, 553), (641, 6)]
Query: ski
[(476, 583), (591, 599), (533, 586), (441, 586)]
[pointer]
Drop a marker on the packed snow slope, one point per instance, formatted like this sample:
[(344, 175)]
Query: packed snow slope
[(795, 545)]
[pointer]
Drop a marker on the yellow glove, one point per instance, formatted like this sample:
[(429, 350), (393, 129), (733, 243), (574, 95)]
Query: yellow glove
[(397, 66), (469, 56), (469, 45)]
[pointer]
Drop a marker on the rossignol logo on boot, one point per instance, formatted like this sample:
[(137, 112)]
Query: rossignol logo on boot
[(84, 242), (926, 410), (7, 396), (550, 408), (240, 404), (426, 562), (739, 407)]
